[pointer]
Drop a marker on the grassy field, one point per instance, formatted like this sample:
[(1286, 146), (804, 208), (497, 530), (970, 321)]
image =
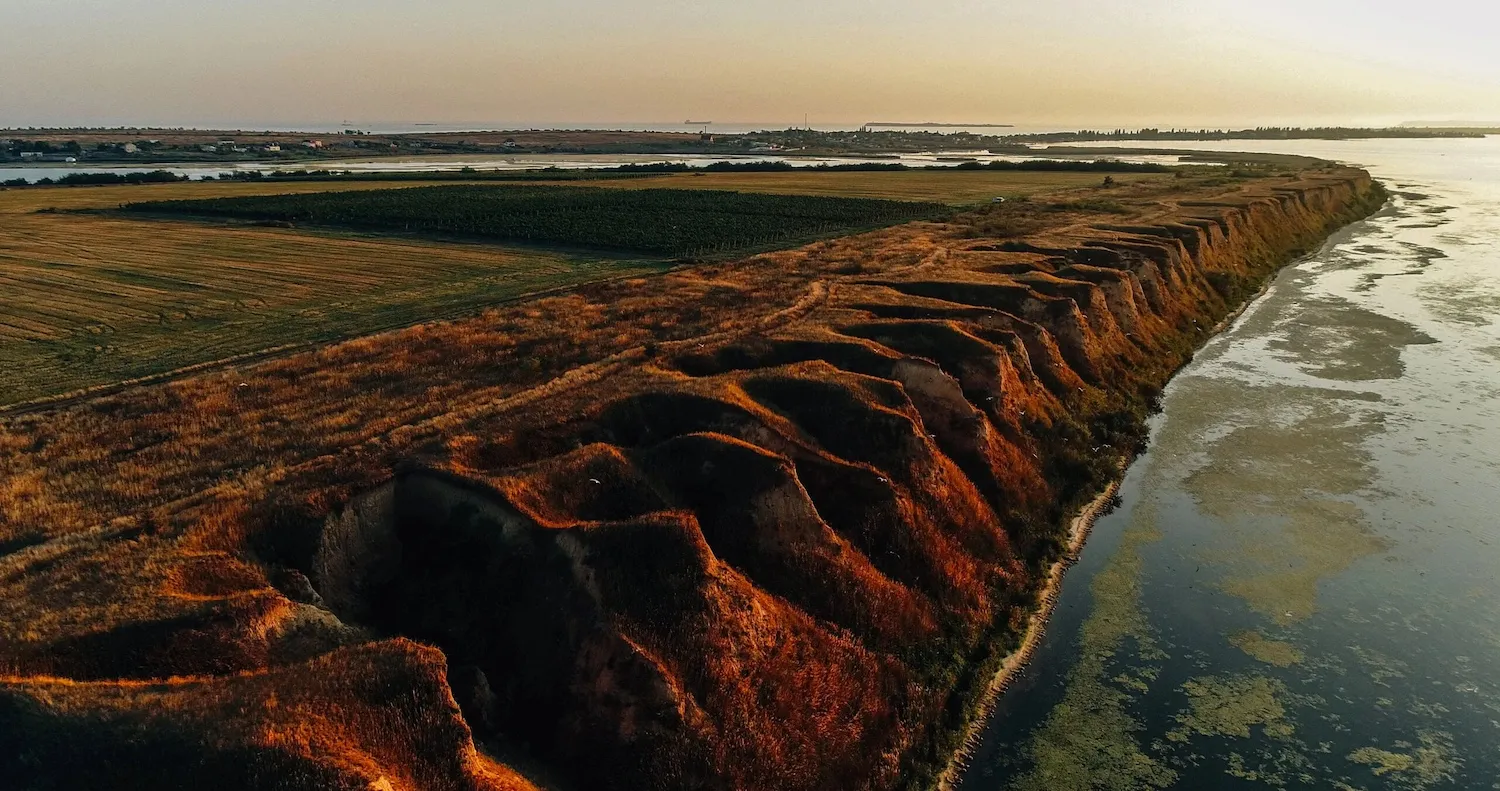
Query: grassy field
[(93, 299), (87, 300), (956, 188), (677, 223)]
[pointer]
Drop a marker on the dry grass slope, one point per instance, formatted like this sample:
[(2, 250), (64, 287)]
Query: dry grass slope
[(756, 525)]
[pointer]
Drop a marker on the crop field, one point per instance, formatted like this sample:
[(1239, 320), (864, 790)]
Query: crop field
[(89, 299), (92, 299), (678, 223), (953, 187)]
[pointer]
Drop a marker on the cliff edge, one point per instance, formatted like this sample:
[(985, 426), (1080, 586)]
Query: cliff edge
[(762, 525)]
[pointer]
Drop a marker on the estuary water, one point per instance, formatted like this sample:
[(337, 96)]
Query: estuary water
[(502, 162), (1301, 588)]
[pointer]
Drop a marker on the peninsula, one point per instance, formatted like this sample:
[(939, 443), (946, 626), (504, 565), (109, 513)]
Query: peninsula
[(756, 485)]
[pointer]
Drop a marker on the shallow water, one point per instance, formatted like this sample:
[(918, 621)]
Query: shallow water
[(1300, 589), (454, 163)]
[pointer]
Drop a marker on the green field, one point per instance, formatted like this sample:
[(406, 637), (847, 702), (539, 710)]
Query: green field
[(666, 222), (950, 186), (90, 299)]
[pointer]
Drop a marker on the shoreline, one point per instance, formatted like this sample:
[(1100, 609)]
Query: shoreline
[(1036, 628), (1079, 530)]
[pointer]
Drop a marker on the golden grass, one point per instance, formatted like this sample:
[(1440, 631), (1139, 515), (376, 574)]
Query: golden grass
[(92, 299), (375, 716), (955, 187), (140, 534)]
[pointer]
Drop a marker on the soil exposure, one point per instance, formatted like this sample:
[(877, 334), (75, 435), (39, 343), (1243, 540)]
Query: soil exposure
[(770, 524)]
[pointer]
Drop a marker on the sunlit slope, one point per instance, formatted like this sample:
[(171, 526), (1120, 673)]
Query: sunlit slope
[(764, 524)]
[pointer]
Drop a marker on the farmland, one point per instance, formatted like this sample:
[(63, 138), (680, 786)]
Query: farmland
[(953, 187), (677, 223), (89, 299)]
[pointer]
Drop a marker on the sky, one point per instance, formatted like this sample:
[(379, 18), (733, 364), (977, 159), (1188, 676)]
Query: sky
[(1068, 63)]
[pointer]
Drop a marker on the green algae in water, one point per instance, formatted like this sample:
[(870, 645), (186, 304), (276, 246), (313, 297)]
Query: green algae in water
[(1089, 741), (1275, 769), (1231, 706), (1383, 762), (1272, 652), (1332, 338), (1428, 710), (1280, 485), (1380, 667), (1414, 767)]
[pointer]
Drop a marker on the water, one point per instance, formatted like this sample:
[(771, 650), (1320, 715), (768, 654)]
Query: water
[(449, 164), (1300, 590)]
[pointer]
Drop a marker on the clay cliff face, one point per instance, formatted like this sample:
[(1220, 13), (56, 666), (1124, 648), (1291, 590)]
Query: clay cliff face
[(764, 533)]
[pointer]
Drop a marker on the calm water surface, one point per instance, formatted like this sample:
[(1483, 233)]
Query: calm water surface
[(457, 162), (1302, 587)]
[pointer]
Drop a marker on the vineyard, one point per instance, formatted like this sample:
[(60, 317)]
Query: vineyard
[(668, 222)]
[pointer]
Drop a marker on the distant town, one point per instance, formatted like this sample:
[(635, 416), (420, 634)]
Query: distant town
[(147, 146)]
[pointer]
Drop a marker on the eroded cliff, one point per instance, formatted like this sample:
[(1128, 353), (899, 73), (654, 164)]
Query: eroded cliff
[(769, 529)]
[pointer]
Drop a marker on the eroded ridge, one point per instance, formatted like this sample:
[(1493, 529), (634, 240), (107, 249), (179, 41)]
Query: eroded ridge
[(762, 525)]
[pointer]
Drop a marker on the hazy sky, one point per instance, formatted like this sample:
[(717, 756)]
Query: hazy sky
[(186, 62)]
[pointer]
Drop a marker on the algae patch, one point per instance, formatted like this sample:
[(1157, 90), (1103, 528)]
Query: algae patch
[(1281, 485), (1471, 304), (1332, 338), (1272, 652), (1382, 761), (1380, 667), (1088, 740), (1231, 706), (1414, 767)]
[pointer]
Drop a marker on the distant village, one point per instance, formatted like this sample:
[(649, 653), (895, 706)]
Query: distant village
[(148, 146), (127, 147), (101, 147), (120, 146)]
